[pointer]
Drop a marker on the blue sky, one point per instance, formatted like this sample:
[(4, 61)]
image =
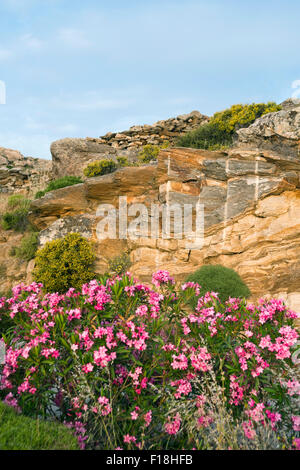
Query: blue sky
[(82, 68)]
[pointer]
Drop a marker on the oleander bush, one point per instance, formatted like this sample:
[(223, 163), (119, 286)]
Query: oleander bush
[(64, 263), (131, 366), (225, 281), (100, 168), (219, 132), (58, 184), (19, 432)]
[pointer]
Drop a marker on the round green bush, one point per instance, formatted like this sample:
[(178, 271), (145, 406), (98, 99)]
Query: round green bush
[(18, 432), (99, 168), (64, 263), (225, 281)]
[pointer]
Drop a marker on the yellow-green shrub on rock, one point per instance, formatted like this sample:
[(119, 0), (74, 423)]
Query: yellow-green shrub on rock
[(150, 152), (219, 131), (64, 263), (99, 168)]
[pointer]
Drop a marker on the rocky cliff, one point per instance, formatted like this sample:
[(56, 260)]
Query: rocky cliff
[(71, 156), (251, 198)]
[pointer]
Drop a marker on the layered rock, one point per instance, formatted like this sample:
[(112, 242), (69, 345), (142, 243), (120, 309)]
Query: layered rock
[(278, 133), (71, 156), (251, 199), (19, 174)]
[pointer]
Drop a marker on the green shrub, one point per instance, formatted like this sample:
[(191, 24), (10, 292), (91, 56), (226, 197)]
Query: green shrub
[(149, 153), (17, 432), (120, 264), (64, 263), (99, 168), (219, 279), (16, 218), (58, 184), (40, 194), (18, 201), (219, 132), (123, 161), (208, 136), (27, 250)]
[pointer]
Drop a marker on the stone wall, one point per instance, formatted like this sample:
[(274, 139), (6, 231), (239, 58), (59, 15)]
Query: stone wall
[(71, 156), (19, 174)]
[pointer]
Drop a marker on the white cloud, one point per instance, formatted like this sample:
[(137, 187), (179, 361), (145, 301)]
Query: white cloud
[(74, 38), (31, 42), (5, 54), (67, 128), (92, 100)]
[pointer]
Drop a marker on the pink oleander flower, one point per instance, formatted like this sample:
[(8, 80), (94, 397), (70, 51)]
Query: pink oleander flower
[(105, 406), (141, 311), (183, 387), (296, 423), (236, 391), (249, 430), (192, 285), (148, 418), (200, 361), (173, 425), (162, 277), (296, 443), (134, 415), (128, 439), (179, 362), (87, 368)]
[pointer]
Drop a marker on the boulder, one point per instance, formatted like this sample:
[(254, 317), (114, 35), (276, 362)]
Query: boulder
[(278, 133)]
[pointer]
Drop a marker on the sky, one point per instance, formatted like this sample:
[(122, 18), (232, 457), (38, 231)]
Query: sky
[(74, 68)]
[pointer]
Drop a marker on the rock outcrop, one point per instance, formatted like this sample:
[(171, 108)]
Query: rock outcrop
[(250, 195), (278, 133), (19, 174), (251, 198), (71, 156)]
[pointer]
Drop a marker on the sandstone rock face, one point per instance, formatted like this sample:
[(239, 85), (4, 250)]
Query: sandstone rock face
[(251, 200), (19, 174), (71, 156)]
